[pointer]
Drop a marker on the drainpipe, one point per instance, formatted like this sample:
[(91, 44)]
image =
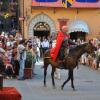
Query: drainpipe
[(23, 20)]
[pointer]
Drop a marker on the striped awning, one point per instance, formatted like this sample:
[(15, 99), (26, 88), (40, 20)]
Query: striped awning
[(78, 26)]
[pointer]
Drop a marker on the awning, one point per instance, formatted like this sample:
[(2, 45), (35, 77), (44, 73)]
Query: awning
[(78, 26)]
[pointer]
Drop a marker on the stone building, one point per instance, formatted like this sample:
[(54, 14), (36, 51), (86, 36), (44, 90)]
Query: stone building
[(46, 18)]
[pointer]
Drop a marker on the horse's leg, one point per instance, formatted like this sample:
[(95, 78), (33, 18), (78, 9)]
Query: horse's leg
[(52, 75), (45, 73), (72, 78), (69, 77)]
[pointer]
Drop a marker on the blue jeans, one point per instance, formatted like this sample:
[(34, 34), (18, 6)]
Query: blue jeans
[(21, 70)]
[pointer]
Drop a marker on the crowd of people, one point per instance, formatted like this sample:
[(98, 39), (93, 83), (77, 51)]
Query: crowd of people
[(15, 51), (93, 60)]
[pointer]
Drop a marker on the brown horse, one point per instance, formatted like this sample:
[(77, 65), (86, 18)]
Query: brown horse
[(70, 62)]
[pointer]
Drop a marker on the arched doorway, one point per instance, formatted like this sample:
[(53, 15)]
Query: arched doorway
[(41, 29), (78, 35), (78, 29), (44, 19)]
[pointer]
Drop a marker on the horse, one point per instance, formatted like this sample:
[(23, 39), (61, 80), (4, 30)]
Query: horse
[(70, 62)]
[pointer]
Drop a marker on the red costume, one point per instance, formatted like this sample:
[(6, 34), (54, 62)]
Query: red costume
[(54, 51)]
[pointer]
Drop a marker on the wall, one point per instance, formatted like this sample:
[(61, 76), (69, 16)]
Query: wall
[(90, 15)]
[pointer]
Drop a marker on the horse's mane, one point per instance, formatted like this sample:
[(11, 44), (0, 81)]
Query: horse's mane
[(76, 48)]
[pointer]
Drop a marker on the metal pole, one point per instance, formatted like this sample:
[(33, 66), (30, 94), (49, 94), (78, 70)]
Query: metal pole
[(18, 9), (23, 19)]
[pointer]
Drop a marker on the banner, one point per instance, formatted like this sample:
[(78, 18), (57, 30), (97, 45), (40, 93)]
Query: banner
[(46, 0), (88, 1), (67, 3), (47, 3)]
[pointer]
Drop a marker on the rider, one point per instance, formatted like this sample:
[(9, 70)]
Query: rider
[(60, 38)]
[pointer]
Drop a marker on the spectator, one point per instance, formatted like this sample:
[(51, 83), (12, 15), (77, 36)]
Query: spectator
[(45, 45), (21, 56), (9, 71)]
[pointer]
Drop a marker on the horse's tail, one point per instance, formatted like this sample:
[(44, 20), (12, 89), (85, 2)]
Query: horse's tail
[(48, 59), (47, 54)]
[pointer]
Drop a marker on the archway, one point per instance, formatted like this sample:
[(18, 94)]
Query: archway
[(41, 29), (78, 29), (78, 35), (44, 19)]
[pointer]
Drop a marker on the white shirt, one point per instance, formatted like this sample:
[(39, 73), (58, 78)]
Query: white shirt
[(45, 44), (20, 49)]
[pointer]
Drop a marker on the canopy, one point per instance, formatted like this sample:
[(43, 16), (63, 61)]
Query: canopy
[(78, 26)]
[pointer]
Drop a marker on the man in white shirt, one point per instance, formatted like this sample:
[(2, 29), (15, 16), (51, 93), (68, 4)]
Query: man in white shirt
[(45, 45)]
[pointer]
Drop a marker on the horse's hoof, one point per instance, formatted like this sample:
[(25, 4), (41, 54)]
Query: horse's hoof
[(54, 87), (45, 86), (74, 89), (62, 87)]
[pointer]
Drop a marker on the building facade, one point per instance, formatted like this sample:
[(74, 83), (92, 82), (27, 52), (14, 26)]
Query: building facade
[(45, 18)]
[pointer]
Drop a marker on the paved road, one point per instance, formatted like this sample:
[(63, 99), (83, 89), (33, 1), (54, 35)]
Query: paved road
[(87, 83)]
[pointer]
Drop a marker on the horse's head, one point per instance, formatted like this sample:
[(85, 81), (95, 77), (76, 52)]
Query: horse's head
[(90, 48)]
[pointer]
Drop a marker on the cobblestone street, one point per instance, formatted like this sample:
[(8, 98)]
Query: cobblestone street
[(86, 80)]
